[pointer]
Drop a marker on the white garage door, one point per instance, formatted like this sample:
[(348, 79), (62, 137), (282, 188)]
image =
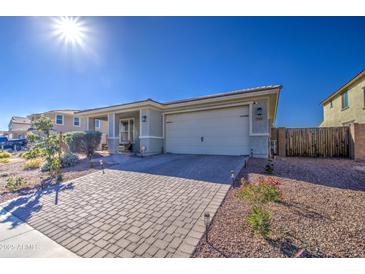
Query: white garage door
[(220, 132)]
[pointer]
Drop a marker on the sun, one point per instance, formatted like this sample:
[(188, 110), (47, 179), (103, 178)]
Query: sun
[(70, 30)]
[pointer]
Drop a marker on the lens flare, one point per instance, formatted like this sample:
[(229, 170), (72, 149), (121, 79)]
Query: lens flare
[(70, 30)]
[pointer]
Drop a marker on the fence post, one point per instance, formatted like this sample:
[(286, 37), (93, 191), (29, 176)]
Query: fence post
[(357, 141), (281, 141)]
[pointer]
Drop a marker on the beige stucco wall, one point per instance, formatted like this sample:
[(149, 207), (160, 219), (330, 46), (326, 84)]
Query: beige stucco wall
[(68, 122), (18, 126), (355, 113), (151, 131)]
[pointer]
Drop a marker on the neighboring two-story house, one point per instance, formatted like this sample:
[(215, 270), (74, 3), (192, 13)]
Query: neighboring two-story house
[(18, 127), (346, 105), (62, 120), (68, 120)]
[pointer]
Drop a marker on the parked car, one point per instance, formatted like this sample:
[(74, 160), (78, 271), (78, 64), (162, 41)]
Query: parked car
[(12, 144)]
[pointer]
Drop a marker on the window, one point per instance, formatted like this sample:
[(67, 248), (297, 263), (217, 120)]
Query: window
[(59, 119), (345, 100), (331, 104), (97, 123), (76, 121)]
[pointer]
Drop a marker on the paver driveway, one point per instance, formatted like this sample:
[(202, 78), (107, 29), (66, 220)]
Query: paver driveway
[(150, 207)]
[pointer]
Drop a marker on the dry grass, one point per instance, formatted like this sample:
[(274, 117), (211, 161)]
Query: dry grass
[(33, 164)]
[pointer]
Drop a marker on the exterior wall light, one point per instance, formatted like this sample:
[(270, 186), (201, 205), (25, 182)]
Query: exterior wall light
[(259, 113), (144, 118)]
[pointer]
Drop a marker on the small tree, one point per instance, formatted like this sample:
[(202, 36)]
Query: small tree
[(51, 143), (43, 124)]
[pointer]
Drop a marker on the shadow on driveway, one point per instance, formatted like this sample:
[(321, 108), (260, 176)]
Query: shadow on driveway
[(25, 206), (208, 168)]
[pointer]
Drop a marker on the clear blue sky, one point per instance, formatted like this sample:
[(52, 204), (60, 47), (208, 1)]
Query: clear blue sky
[(167, 58)]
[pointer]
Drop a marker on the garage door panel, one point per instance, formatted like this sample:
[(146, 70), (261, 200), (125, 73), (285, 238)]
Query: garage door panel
[(225, 132)]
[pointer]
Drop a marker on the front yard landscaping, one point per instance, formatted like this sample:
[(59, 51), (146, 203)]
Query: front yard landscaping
[(31, 178), (320, 214), (50, 158)]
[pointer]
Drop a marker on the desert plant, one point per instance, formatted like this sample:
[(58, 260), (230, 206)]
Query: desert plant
[(265, 191), (35, 152), (84, 142), (271, 190), (33, 163), (4, 154), (32, 138), (269, 168), (257, 195), (14, 182), (4, 160), (69, 160), (51, 144), (259, 220), (73, 140), (46, 167), (43, 125)]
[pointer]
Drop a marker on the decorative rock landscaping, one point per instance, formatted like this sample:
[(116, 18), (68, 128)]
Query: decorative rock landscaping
[(321, 215)]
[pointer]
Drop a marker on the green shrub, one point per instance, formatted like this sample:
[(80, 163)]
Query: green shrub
[(33, 163), (83, 142), (14, 182), (46, 167), (269, 168), (32, 138), (69, 160), (265, 191), (34, 152), (258, 195), (73, 140), (259, 220), (4, 160), (4, 154)]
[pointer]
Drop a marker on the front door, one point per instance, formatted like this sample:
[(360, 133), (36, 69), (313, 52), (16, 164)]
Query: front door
[(126, 127)]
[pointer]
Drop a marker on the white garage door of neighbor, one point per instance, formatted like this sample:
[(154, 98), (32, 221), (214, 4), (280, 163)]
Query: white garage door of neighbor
[(217, 132)]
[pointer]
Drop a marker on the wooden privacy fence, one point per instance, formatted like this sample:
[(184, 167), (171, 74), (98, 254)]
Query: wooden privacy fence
[(313, 142)]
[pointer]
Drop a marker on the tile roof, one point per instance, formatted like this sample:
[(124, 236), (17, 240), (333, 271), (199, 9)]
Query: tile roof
[(241, 91), (20, 120)]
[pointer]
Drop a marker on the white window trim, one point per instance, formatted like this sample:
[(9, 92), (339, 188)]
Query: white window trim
[(55, 119), (129, 132), (73, 121), (99, 123)]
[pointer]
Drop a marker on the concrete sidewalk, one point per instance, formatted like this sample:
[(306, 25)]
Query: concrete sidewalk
[(23, 241)]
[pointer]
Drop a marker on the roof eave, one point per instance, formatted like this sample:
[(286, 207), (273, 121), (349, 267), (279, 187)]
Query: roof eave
[(343, 87), (218, 97)]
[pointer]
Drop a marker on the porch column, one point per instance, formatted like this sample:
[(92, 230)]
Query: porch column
[(90, 123), (112, 135)]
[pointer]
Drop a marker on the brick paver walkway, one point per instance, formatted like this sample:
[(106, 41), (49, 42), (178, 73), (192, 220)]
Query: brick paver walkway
[(123, 214)]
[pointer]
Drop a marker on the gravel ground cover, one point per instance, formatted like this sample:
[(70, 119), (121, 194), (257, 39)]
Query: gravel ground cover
[(35, 177), (322, 213)]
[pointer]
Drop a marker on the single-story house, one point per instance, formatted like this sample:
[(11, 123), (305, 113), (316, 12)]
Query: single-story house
[(230, 123)]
